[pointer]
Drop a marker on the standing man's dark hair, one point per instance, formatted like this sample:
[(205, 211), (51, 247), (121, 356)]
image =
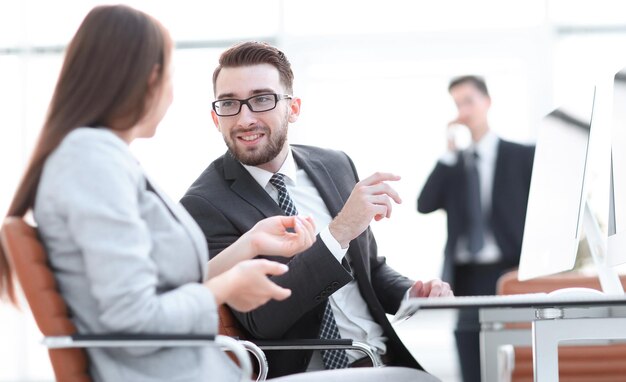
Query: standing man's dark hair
[(477, 81)]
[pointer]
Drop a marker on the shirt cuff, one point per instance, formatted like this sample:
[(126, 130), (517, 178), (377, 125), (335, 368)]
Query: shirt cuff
[(406, 295), (332, 244), (449, 158)]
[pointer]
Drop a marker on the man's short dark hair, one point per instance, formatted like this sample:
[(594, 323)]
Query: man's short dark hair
[(477, 81), (255, 53)]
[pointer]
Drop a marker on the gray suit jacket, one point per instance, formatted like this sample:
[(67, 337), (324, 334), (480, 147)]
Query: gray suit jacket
[(126, 260), (226, 202)]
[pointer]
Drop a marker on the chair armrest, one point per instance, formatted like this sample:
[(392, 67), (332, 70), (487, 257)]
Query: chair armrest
[(153, 340), (319, 344)]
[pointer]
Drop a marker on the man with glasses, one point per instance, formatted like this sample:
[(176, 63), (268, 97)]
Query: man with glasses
[(484, 191), (340, 287)]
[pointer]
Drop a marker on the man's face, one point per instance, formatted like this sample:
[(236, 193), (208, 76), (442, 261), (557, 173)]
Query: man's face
[(471, 104), (254, 138)]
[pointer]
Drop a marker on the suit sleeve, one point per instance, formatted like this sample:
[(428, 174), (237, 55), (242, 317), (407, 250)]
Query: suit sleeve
[(530, 160), (313, 274), (433, 193)]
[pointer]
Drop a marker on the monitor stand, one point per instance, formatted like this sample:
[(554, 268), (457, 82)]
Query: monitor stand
[(609, 280)]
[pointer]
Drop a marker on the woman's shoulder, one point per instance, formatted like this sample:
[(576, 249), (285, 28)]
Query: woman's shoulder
[(87, 145), (93, 140), (91, 153)]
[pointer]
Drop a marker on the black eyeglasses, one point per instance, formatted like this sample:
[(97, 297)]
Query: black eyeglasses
[(257, 104)]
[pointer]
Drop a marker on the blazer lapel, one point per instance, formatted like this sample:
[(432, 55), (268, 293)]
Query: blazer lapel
[(244, 185), (496, 190), (317, 171)]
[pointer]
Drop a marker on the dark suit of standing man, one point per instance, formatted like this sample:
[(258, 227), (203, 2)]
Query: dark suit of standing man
[(342, 271), (485, 229)]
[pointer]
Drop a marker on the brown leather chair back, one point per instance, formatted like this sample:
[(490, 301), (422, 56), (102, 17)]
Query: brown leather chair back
[(30, 263), (593, 363), (228, 325), (509, 284)]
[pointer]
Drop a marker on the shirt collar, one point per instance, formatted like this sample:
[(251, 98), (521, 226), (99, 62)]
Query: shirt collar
[(263, 177), (487, 147)]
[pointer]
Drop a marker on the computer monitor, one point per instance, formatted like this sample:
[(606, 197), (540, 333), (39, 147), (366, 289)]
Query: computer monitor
[(558, 208), (557, 196), (616, 245)]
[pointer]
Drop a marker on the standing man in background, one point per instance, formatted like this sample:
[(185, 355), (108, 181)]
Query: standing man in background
[(484, 191)]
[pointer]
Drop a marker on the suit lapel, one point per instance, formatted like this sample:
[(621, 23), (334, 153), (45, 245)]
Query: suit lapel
[(317, 171), (497, 175), (244, 185)]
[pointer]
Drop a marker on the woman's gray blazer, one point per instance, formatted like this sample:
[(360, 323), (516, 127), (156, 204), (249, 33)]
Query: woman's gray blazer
[(126, 259)]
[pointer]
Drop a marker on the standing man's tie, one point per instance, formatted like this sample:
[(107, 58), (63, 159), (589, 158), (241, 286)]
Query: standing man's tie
[(475, 234), (333, 359)]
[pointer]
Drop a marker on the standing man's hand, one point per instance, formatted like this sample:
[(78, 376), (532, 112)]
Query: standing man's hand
[(370, 199), (451, 135)]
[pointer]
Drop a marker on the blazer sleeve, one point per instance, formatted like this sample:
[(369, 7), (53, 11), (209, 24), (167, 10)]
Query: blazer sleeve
[(433, 193), (98, 196), (313, 274)]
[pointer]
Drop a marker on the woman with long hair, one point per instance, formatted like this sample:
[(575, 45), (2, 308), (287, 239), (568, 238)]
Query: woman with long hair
[(126, 258)]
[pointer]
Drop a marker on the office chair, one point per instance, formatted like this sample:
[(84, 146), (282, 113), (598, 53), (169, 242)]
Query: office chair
[(65, 346), (229, 326), (588, 363)]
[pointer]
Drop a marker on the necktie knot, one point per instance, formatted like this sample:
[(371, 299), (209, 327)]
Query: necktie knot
[(284, 200), (278, 180)]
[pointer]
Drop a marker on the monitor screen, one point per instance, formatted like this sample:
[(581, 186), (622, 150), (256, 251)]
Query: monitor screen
[(617, 207), (557, 189)]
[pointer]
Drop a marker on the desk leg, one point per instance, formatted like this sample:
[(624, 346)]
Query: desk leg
[(545, 351), (548, 333)]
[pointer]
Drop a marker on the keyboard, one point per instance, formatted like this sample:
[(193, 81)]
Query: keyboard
[(527, 300)]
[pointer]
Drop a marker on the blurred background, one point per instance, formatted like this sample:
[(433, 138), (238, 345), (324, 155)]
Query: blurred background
[(373, 80)]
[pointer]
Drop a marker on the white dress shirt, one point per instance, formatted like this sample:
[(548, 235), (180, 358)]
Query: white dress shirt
[(350, 309), (487, 150)]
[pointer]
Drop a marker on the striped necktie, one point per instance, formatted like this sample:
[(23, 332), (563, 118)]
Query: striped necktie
[(333, 359)]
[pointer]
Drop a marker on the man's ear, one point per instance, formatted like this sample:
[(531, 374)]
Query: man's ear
[(294, 109), (215, 120)]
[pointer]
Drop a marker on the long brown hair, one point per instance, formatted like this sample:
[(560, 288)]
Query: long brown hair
[(103, 82)]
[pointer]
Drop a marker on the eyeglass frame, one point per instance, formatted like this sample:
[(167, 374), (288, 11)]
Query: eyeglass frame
[(277, 97)]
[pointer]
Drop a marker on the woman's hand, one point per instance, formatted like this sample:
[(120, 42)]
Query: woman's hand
[(246, 286), (282, 235)]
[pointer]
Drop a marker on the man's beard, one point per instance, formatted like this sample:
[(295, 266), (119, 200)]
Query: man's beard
[(258, 155)]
